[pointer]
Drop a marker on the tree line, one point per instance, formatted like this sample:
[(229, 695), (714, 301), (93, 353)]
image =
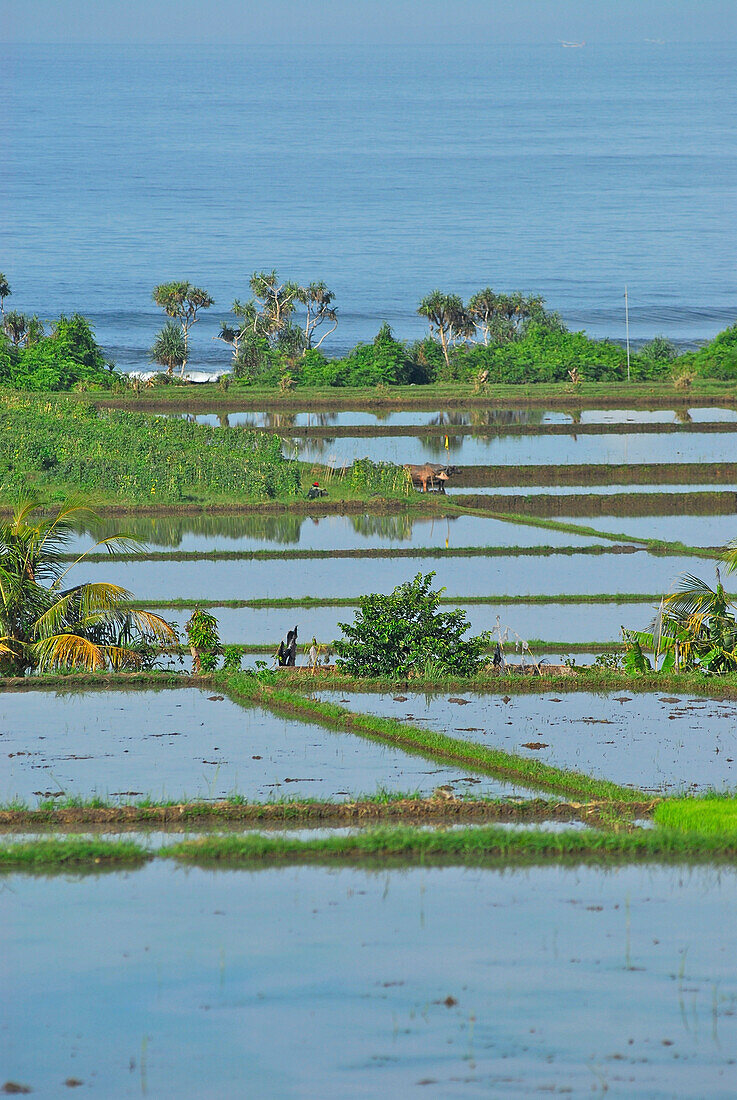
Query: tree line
[(276, 337)]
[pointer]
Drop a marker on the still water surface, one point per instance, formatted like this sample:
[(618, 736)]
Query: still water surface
[(170, 981), (177, 743), (653, 742)]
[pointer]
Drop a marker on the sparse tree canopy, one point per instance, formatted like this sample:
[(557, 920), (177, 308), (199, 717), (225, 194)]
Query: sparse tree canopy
[(447, 318), (504, 318), (269, 316), (183, 302), (22, 330), (318, 302)]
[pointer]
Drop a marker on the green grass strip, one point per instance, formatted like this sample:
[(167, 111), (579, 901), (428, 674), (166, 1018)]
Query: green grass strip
[(70, 851), (653, 546), (431, 743), (706, 816), (388, 552), (455, 601), (474, 845)]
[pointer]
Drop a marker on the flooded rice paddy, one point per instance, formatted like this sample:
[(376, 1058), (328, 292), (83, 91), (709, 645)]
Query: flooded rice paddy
[(571, 623), (474, 418), (168, 981), (654, 742), (322, 578), (200, 534), (182, 743), (525, 450)]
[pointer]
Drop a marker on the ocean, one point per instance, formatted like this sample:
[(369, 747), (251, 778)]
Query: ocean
[(386, 172)]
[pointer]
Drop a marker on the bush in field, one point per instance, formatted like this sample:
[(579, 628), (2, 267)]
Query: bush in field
[(385, 361), (204, 641), (404, 634), (138, 457)]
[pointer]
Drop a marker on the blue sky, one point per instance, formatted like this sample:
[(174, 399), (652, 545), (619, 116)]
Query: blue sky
[(367, 22)]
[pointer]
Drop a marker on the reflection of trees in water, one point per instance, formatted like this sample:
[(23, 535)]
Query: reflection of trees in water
[(170, 530), (483, 420), (486, 418), (397, 527), (318, 445), (435, 444)]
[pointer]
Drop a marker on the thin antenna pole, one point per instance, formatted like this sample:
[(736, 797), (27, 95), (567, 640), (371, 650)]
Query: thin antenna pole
[(627, 327)]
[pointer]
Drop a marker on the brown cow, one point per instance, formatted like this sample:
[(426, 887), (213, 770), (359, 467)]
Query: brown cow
[(431, 476)]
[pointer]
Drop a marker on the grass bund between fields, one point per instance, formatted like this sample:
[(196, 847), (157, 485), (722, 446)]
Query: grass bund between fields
[(392, 829)]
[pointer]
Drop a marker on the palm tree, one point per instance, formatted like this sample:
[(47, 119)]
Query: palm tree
[(693, 628), (44, 626), (169, 348)]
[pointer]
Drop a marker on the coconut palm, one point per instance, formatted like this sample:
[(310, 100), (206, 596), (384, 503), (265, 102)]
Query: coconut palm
[(693, 628), (44, 625)]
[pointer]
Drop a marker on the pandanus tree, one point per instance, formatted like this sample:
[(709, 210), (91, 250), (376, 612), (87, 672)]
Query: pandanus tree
[(318, 303), (183, 302), (169, 349), (22, 330), (45, 625), (447, 318)]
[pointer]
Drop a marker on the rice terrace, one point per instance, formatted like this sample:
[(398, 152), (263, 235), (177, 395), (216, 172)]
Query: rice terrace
[(368, 688)]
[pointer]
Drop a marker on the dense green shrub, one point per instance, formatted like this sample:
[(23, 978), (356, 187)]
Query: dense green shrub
[(69, 357), (385, 361), (138, 457), (717, 359), (404, 634)]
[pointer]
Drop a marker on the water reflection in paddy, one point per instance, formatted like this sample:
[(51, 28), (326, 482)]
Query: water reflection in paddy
[(555, 622), (480, 418), (472, 982), (321, 578), (526, 450), (202, 533), (653, 742), (177, 743)]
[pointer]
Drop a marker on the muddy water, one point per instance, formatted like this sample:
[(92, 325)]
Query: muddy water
[(325, 578), (555, 622), (173, 982), (653, 742), (527, 450), (177, 743), (361, 532)]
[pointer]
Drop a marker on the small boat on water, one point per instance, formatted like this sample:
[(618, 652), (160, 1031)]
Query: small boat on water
[(572, 45)]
